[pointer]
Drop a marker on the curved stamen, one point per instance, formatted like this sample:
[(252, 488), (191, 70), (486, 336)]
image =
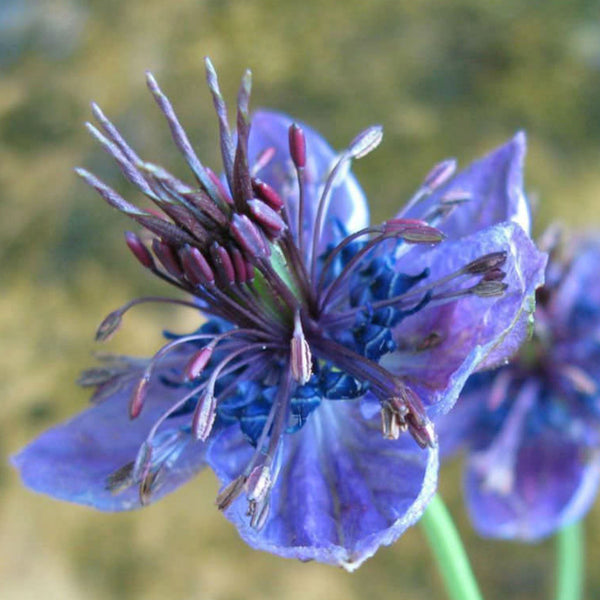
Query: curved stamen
[(323, 205), (327, 295), (336, 251), (112, 321)]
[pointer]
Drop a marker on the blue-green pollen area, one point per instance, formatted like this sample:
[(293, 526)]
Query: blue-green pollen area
[(247, 396)]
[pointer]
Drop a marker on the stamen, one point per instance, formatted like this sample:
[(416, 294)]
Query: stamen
[(248, 236), (227, 149), (204, 416), (487, 262), (297, 144), (128, 168), (196, 267), (262, 160), (139, 250), (242, 186), (266, 193), (413, 231), (222, 262), (168, 258), (180, 138), (366, 141), (196, 365), (273, 224), (224, 194), (114, 135), (230, 493), (438, 176), (358, 148), (259, 482), (138, 396), (581, 381), (300, 355)]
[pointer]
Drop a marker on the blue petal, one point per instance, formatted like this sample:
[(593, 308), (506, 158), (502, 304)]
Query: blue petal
[(556, 482), (495, 184), (342, 490), (347, 205), (73, 461), (474, 332)]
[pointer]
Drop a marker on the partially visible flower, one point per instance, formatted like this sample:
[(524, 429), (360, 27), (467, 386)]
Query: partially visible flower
[(532, 428), (326, 337)]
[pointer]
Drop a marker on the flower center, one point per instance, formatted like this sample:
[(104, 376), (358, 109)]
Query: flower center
[(290, 325)]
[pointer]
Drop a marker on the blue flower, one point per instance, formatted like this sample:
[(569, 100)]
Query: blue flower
[(532, 427), (325, 338)]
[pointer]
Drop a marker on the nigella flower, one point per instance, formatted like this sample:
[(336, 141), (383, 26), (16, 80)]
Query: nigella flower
[(326, 338), (532, 427)]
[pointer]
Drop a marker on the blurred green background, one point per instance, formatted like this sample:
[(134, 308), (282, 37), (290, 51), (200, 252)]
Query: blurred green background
[(444, 78)]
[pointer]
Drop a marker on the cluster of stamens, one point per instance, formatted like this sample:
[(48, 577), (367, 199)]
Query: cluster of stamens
[(282, 314)]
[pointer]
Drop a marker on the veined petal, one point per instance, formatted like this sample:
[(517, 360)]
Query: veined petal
[(495, 186), (473, 332), (555, 482), (74, 460), (347, 205), (342, 490)]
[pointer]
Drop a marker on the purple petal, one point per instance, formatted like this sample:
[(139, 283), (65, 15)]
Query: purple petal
[(456, 429), (495, 185), (342, 490), (73, 461), (555, 483), (474, 332), (347, 205), (578, 295)]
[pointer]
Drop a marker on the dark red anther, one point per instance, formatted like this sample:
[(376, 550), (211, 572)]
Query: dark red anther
[(239, 265), (271, 222), (249, 237), (139, 250), (138, 397), (267, 194), (196, 267), (223, 193), (168, 257), (222, 262), (198, 362), (297, 146)]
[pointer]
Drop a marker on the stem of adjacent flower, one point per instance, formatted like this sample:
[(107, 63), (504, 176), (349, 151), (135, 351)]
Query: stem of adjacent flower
[(569, 562), (449, 552)]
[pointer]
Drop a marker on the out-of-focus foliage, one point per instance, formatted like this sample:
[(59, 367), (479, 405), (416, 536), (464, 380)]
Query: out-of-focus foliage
[(445, 79)]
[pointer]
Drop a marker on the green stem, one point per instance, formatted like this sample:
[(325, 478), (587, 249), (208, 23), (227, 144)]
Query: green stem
[(447, 548), (570, 562)]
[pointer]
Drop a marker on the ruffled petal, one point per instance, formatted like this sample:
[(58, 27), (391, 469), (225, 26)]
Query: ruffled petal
[(74, 461), (347, 206), (555, 483), (342, 490), (473, 332), (495, 185)]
